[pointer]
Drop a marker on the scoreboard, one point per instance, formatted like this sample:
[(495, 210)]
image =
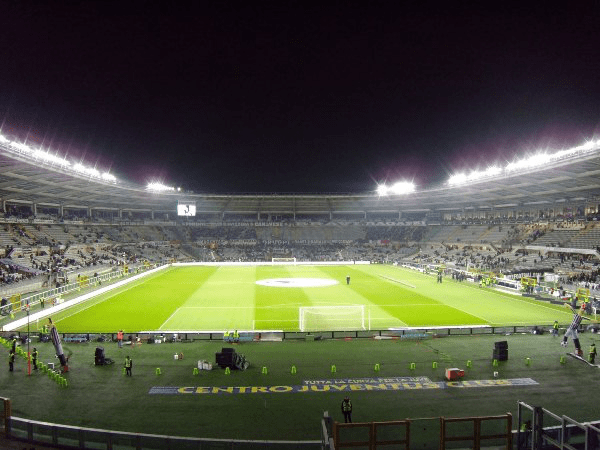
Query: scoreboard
[(186, 208)]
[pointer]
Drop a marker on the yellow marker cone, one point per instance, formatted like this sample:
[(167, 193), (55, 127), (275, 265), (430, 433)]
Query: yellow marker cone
[(293, 369), (495, 363), (469, 363), (377, 368), (195, 371), (527, 361), (563, 360), (158, 372), (333, 368), (434, 365), (227, 371), (264, 370)]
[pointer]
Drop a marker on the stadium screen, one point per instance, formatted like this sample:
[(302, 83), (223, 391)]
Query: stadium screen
[(187, 209)]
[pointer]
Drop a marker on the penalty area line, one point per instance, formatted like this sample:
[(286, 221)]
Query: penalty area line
[(398, 281), (169, 318)]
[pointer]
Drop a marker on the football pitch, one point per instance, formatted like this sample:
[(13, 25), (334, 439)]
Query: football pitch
[(260, 298)]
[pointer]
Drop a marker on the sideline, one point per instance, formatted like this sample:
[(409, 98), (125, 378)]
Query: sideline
[(54, 309)]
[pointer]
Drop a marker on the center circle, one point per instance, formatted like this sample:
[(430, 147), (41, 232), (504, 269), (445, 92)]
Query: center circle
[(297, 282)]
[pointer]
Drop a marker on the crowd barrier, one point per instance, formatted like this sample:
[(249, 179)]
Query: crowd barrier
[(270, 336)]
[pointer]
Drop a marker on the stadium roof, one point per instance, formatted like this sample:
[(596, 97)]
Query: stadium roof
[(570, 180)]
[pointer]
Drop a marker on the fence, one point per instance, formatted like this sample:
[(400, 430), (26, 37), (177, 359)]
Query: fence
[(547, 431), (190, 336), (431, 432), (540, 428), (67, 436), (477, 433), (372, 435)]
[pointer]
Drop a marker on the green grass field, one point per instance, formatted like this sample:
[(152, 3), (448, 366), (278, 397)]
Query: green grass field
[(203, 298)]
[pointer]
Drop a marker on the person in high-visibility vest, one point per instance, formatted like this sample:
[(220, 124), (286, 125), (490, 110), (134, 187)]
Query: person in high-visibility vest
[(555, 328), (226, 336), (347, 410), (592, 353), (34, 358), (128, 365), (236, 336)]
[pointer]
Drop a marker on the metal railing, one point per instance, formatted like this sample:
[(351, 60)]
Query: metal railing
[(540, 428), (257, 336), (67, 436)]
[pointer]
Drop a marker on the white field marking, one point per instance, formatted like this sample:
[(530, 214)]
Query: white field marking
[(454, 327), (291, 305), (97, 302), (169, 318), (407, 305), (297, 282), (470, 314), (398, 281), (402, 322)]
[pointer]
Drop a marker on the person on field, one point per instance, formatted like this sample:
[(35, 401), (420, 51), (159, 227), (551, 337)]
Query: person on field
[(347, 279), (128, 366), (11, 361), (592, 353), (34, 358), (572, 330), (347, 410), (120, 338), (555, 328)]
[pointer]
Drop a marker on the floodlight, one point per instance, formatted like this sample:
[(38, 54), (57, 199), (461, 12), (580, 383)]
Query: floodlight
[(21, 147), (109, 177), (47, 157), (158, 187), (494, 170), (382, 190), (402, 187), (3, 139), (459, 178)]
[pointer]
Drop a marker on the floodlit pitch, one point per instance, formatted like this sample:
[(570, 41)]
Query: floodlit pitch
[(246, 298)]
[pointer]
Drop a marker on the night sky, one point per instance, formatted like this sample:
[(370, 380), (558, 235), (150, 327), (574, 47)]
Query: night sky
[(297, 97)]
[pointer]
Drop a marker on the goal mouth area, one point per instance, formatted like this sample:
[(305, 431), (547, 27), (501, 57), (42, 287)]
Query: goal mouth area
[(331, 318)]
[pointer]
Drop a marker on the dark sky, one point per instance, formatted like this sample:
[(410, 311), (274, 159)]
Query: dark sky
[(257, 96)]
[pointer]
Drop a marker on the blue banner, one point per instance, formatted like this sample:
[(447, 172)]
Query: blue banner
[(340, 387)]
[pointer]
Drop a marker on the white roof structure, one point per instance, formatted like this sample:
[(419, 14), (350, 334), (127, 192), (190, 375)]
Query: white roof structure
[(574, 178)]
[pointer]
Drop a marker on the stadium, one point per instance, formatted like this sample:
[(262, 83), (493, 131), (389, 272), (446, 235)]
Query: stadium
[(394, 297)]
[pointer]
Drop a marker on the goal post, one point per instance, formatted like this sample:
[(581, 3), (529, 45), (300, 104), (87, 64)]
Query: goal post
[(331, 318), (283, 260)]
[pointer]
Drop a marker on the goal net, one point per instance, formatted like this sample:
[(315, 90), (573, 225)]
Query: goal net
[(283, 260), (332, 318)]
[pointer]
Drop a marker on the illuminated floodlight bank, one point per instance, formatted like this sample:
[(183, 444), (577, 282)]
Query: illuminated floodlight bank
[(537, 160), (155, 186), (55, 160), (399, 188)]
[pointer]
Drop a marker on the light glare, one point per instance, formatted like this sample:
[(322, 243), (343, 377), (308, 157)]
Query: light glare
[(537, 160)]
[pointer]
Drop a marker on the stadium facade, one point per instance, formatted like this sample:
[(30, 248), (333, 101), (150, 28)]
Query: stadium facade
[(562, 187)]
